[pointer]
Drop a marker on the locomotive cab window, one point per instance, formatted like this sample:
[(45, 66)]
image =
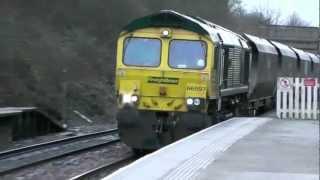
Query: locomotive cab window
[(142, 52), (186, 54)]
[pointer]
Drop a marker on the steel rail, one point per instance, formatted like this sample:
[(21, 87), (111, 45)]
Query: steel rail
[(12, 162), (105, 168), (17, 151)]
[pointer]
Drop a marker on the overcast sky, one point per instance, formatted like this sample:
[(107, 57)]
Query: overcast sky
[(308, 10)]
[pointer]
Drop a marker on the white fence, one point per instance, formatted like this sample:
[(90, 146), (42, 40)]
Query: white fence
[(298, 98)]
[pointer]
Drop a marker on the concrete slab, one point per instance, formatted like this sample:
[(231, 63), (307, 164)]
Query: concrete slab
[(8, 111), (240, 148), (281, 149)]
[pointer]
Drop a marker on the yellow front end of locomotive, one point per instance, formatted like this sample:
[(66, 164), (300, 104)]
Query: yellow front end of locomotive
[(164, 69)]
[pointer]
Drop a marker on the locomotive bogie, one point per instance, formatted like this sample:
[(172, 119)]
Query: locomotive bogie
[(151, 130)]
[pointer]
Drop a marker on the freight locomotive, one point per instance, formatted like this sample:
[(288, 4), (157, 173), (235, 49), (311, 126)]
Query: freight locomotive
[(177, 74)]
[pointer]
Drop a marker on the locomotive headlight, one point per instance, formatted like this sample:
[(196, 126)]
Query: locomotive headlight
[(196, 102), (165, 33), (134, 98), (189, 101), (126, 98)]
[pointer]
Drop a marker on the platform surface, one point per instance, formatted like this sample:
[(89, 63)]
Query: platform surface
[(237, 149), (7, 111)]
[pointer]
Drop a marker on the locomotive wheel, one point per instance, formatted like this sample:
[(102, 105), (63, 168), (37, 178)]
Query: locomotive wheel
[(252, 112), (241, 109), (140, 152), (137, 152), (216, 118), (236, 111)]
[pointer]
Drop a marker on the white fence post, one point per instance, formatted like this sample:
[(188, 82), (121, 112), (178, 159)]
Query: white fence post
[(297, 105), (297, 98)]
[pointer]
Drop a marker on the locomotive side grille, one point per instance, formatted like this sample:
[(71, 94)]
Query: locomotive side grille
[(233, 71)]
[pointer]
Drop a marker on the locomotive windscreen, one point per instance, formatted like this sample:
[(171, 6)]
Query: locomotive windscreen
[(187, 54), (142, 52)]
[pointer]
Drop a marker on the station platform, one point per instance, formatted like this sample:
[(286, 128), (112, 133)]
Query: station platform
[(8, 111), (18, 123), (260, 148)]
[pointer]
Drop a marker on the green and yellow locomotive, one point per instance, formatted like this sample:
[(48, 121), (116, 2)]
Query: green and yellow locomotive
[(178, 74)]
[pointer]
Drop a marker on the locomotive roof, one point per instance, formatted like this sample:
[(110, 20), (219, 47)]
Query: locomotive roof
[(262, 44), (169, 18), (314, 58), (302, 55), (284, 49)]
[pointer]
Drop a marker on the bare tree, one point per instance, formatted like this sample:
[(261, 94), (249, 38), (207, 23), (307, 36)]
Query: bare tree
[(267, 16), (295, 20)]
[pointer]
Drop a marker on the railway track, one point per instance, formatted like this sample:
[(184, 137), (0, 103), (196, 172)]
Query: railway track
[(15, 159), (105, 169)]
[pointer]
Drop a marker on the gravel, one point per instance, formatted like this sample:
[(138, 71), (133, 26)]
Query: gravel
[(74, 131), (72, 165)]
